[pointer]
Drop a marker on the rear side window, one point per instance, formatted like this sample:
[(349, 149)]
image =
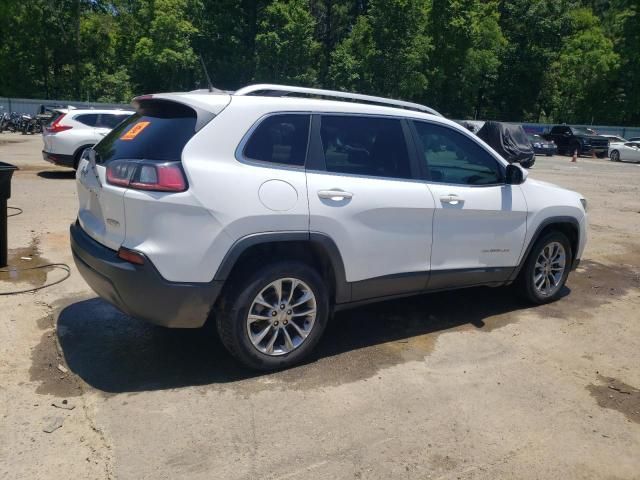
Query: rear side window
[(110, 120), (159, 131), (88, 119), (280, 139), (452, 157), (54, 116), (369, 146)]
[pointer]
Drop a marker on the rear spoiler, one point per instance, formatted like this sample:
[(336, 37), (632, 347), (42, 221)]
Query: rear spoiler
[(179, 104)]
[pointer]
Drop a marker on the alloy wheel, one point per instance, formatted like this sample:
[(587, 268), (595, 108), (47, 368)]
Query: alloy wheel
[(281, 316), (549, 269)]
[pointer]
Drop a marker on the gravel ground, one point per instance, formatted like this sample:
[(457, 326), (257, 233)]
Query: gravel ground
[(460, 385)]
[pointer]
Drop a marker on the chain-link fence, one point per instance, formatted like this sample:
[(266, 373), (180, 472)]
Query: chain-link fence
[(34, 106)]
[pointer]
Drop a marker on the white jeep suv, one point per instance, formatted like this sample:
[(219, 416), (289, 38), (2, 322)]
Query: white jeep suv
[(71, 131), (266, 210)]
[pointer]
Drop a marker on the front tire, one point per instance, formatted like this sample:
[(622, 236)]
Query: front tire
[(615, 156), (546, 269), (273, 318)]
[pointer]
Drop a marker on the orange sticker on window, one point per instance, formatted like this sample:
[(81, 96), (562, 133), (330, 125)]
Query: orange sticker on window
[(135, 131)]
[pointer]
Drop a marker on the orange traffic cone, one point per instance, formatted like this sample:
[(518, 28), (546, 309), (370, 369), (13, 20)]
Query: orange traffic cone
[(575, 156)]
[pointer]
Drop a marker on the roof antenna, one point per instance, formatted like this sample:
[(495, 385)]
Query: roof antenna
[(206, 74)]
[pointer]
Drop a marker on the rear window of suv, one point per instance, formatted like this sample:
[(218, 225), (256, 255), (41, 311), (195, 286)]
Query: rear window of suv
[(159, 131)]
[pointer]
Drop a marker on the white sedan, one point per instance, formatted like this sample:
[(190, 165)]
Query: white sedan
[(626, 152)]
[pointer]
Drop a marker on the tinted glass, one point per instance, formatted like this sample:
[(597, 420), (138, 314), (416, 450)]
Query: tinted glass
[(159, 131), (280, 139), (89, 119), (54, 116), (110, 120), (369, 146), (452, 157)]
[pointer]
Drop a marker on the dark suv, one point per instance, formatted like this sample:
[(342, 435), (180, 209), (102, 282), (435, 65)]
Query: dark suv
[(576, 139)]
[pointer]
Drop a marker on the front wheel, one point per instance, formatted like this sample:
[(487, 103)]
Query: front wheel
[(273, 318), (546, 269)]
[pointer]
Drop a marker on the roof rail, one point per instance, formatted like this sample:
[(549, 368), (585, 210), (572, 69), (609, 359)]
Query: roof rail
[(284, 90)]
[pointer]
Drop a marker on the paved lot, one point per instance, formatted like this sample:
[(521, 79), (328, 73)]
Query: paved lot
[(462, 385)]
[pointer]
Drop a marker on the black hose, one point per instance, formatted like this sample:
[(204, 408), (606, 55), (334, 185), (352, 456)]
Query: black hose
[(62, 266), (18, 212)]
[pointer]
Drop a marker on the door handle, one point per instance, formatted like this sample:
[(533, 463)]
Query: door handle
[(451, 199), (334, 194)]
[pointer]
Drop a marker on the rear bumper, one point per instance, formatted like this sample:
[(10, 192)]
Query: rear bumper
[(58, 159), (139, 290)]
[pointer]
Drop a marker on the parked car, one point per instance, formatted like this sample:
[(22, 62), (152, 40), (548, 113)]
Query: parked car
[(71, 131), (614, 139), (634, 139), (575, 139), (510, 141), (266, 211), (542, 146), (625, 152)]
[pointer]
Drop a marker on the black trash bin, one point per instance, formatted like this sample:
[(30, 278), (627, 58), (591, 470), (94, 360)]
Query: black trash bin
[(6, 172)]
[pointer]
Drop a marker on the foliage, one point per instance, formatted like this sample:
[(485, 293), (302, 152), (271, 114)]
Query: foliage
[(286, 51), (557, 60), (386, 52)]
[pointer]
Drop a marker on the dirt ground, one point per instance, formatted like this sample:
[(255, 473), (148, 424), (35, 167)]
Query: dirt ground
[(460, 385)]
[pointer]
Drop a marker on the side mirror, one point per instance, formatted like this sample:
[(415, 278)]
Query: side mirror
[(515, 175)]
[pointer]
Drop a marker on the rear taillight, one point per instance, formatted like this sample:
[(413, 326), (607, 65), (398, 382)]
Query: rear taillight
[(145, 175), (55, 126)]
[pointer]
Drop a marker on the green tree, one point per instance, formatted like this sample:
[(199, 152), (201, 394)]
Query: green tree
[(386, 52), (334, 18), (163, 58), (286, 50), (624, 94), (535, 31), (581, 75), (468, 45)]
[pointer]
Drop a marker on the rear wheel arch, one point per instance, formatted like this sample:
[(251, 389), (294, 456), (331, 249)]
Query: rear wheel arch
[(314, 249), (78, 153)]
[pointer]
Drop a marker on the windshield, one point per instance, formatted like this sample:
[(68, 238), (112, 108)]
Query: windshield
[(535, 138), (580, 131)]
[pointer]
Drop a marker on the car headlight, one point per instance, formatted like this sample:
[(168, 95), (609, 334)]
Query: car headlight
[(583, 201), (537, 145)]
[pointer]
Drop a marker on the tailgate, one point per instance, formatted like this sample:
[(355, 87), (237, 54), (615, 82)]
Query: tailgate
[(140, 153), (101, 206)]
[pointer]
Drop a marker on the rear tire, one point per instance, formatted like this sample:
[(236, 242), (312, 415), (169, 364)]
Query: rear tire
[(615, 156), (78, 155), (546, 269), (260, 324)]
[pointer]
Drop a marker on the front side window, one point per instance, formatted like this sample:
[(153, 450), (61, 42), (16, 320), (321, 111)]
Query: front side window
[(280, 139), (451, 157), (370, 146)]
